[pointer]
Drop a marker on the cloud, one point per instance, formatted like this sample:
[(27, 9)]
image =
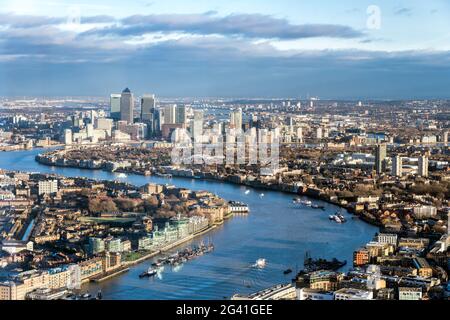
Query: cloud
[(245, 25), (204, 55)]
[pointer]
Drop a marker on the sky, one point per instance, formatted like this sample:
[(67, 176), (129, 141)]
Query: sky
[(348, 49)]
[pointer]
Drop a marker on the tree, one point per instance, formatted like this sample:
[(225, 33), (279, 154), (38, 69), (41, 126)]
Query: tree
[(99, 205)]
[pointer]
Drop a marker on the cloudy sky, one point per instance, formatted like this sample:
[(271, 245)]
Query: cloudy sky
[(384, 49)]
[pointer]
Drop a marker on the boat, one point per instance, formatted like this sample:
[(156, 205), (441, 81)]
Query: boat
[(287, 271), (307, 203), (149, 273), (341, 217), (122, 176), (260, 263), (331, 217), (261, 195), (316, 206), (337, 219), (247, 192)]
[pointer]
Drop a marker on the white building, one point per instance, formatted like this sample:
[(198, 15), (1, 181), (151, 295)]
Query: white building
[(48, 187), (397, 166), (313, 294), (423, 166), (409, 293), (353, 294), (16, 246), (68, 136), (389, 238), (236, 119), (425, 212)]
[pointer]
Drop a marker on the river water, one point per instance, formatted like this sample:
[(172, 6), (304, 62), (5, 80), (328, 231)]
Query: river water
[(276, 230)]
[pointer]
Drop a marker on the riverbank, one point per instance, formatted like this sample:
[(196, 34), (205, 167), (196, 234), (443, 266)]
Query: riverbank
[(288, 189), (168, 247)]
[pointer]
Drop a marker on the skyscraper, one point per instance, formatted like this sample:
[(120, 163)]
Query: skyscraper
[(397, 166), (423, 166), (180, 116), (170, 114), (319, 134), (236, 119), (127, 106), (380, 158), (68, 136), (114, 106), (147, 107), (197, 124)]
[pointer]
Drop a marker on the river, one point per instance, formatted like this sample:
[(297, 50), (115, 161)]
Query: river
[(276, 230)]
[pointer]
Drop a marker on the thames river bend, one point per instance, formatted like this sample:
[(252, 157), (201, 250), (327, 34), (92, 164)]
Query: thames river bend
[(276, 229)]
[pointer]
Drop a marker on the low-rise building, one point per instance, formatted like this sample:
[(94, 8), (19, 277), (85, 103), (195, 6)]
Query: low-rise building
[(409, 293), (353, 294)]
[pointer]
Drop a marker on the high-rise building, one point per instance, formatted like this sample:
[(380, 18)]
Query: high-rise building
[(180, 115), (445, 137), (423, 166), (114, 106), (68, 136), (148, 104), (170, 112), (197, 124), (236, 119), (397, 166), (104, 124), (127, 106), (319, 134), (300, 134), (380, 158), (90, 130)]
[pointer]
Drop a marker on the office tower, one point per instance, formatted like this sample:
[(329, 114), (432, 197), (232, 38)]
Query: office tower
[(397, 166), (148, 105), (380, 158), (445, 137), (319, 133), (158, 121), (170, 114), (236, 119), (300, 134), (197, 124), (423, 166), (180, 115), (127, 106), (104, 124), (90, 130), (253, 121), (114, 106), (289, 121), (311, 103), (68, 136)]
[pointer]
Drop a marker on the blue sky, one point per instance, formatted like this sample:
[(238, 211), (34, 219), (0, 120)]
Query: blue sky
[(384, 49)]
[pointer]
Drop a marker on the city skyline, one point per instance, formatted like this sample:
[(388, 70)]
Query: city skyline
[(226, 49)]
